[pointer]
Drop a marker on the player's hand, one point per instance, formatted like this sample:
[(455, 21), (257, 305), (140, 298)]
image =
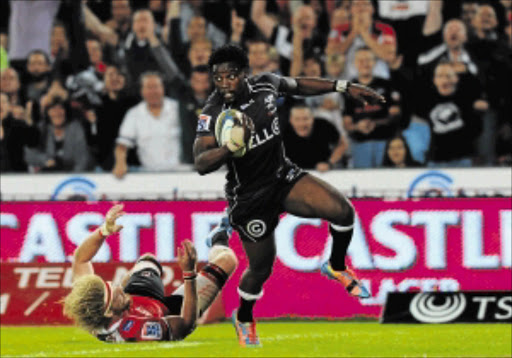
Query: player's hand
[(110, 227), (187, 256), (248, 125), (364, 94)]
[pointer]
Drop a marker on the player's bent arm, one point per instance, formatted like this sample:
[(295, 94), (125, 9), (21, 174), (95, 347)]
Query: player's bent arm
[(181, 326), (90, 246), (208, 157)]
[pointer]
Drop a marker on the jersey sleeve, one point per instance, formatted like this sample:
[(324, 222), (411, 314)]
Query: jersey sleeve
[(136, 329), (281, 85)]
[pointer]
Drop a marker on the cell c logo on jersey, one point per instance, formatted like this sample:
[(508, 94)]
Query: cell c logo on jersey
[(275, 126), (256, 228), (424, 308)]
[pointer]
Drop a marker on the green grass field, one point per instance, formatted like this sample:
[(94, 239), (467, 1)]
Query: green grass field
[(279, 339)]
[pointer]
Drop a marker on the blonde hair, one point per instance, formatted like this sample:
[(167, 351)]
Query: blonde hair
[(85, 304)]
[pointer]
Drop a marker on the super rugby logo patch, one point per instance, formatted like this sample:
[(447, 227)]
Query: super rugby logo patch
[(203, 123), (256, 228)]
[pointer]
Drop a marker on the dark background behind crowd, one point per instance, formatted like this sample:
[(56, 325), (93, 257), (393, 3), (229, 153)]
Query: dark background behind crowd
[(117, 85)]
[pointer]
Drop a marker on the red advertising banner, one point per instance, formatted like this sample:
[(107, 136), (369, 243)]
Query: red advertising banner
[(398, 246)]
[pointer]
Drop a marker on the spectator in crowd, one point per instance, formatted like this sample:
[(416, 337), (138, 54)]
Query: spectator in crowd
[(198, 53), (30, 27), (87, 85), (259, 58), (189, 9), (191, 96), (416, 23), (121, 18), (452, 49), (142, 45), (39, 75), (104, 120), (153, 126), (63, 143), (398, 154), (10, 85), (370, 126), (363, 31), (312, 143), (485, 24), (15, 134), (468, 12), (281, 37), (454, 117), (60, 52)]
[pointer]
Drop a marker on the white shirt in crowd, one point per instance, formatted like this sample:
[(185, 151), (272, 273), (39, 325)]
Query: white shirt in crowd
[(157, 138)]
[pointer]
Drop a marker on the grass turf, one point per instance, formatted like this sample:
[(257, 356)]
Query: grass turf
[(279, 339)]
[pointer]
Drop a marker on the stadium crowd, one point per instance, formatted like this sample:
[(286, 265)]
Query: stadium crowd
[(117, 85)]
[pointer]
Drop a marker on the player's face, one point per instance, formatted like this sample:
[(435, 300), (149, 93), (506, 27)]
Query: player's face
[(396, 151), (228, 80), (120, 300), (302, 121)]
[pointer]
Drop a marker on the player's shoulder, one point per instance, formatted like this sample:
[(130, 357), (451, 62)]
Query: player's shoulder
[(264, 80)]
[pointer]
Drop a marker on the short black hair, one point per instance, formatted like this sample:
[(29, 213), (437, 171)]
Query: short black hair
[(229, 53), (39, 52)]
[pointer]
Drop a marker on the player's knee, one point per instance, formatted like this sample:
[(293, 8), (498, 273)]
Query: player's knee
[(261, 273), (223, 257), (346, 214)]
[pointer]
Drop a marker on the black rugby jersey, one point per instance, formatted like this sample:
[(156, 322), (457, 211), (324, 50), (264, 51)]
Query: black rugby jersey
[(265, 162)]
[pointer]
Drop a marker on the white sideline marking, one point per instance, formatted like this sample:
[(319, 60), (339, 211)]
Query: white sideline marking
[(36, 303)]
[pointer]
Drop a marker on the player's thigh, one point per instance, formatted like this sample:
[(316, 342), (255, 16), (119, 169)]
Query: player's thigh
[(311, 197), (261, 254)]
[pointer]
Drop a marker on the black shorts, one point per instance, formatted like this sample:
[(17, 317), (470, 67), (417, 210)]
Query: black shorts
[(255, 215), (148, 283)]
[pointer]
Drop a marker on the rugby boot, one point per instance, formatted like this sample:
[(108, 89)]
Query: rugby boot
[(347, 278), (220, 233), (246, 332)]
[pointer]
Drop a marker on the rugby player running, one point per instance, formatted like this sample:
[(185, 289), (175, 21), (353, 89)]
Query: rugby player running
[(264, 182), (137, 309)]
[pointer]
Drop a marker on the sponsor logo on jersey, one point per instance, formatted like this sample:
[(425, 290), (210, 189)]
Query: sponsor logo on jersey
[(127, 325), (203, 123), (256, 228), (152, 330)]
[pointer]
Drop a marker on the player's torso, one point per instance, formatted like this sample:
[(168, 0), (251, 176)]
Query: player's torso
[(143, 321), (265, 156)]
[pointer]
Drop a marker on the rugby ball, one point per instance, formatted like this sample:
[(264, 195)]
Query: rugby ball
[(228, 128)]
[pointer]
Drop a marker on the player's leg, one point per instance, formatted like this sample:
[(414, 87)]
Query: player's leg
[(261, 255), (312, 197), (145, 278), (222, 262)]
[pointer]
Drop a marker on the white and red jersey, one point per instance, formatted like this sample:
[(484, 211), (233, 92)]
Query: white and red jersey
[(143, 321)]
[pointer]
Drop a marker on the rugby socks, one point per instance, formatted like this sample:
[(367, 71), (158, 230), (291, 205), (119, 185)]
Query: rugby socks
[(247, 301), (341, 237)]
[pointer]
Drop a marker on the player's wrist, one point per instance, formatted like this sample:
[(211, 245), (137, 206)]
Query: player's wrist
[(105, 230), (341, 86), (189, 275)]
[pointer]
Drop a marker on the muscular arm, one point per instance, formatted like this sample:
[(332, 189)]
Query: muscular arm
[(208, 157), (84, 253), (181, 326)]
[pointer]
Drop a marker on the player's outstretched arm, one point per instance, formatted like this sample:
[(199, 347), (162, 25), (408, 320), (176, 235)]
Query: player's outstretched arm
[(181, 326), (89, 247), (311, 86)]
